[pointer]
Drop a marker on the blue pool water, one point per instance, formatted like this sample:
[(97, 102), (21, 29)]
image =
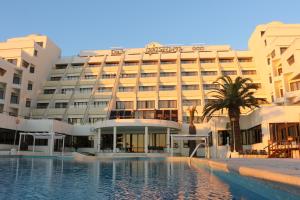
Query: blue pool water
[(138, 178)]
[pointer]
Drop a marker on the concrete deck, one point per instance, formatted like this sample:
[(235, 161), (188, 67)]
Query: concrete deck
[(279, 170)]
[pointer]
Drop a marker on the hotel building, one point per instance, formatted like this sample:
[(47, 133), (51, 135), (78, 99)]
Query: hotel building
[(133, 100)]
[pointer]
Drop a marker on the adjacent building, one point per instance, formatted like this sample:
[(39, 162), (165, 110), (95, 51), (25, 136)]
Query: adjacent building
[(133, 100)]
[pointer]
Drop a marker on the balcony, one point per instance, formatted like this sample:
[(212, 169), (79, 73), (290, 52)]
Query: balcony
[(76, 111)]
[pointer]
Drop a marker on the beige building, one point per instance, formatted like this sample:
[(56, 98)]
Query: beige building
[(133, 100)]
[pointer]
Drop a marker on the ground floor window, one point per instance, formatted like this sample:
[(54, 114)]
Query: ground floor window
[(223, 137), (252, 135), (284, 131)]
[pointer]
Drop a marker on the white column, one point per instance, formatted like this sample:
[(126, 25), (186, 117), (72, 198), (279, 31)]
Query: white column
[(63, 146), (51, 144), (20, 137), (33, 146), (168, 139), (171, 146), (99, 140), (115, 140), (146, 137)]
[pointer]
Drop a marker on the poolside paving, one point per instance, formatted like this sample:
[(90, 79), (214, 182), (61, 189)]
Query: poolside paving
[(276, 165)]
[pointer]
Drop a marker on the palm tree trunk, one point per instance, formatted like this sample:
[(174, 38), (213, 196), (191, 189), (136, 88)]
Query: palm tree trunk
[(236, 140)]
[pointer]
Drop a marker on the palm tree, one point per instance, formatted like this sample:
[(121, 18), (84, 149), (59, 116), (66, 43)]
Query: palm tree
[(232, 96)]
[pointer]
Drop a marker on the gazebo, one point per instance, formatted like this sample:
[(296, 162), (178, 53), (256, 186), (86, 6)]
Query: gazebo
[(50, 136)]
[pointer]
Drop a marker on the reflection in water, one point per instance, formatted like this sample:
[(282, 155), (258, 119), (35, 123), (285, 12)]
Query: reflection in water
[(43, 178)]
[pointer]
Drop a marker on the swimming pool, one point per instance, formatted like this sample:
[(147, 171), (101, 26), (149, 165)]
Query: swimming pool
[(136, 178)]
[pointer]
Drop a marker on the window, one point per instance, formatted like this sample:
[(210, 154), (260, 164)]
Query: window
[(167, 104), (67, 90), (49, 91), (124, 105), (279, 71), (207, 60), (29, 86), (269, 61), (190, 87), (147, 88), (146, 104), (28, 103), (210, 86), (262, 33), (108, 76), (128, 75), (77, 65), (148, 75), (191, 102), (42, 105), (130, 63), (167, 87), (295, 85), (100, 103), (61, 104), (126, 89), (90, 76), (265, 42), (14, 98), (80, 104), (31, 69), (273, 53), (35, 53), (13, 61), (16, 79), (166, 74), (209, 73), (2, 93), (252, 135), (25, 63), (61, 66), (165, 62), (40, 44), (282, 49), (248, 72), (111, 64), (72, 78), (189, 73), (225, 60), (258, 85), (150, 62), (93, 120), (95, 64), (105, 89), (248, 59), (55, 78), (229, 72), (223, 137), (291, 60), (187, 61), (85, 90), (270, 79), (75, 120)]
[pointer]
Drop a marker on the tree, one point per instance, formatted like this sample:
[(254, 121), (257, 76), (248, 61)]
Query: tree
[(231, 96)]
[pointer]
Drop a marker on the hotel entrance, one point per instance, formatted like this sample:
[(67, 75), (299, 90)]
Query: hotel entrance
[(134, 142)]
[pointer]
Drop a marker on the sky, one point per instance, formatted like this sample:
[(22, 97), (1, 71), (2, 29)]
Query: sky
[(76, 25)]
